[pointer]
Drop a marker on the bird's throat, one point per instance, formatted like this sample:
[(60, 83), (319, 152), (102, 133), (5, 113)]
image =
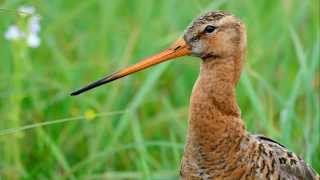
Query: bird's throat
[(214, 123)]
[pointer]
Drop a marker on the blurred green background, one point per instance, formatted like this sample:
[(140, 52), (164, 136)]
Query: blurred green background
[(135, 128)]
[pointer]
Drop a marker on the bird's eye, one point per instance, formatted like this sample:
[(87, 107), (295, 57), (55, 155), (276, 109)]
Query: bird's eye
[(209, 29)]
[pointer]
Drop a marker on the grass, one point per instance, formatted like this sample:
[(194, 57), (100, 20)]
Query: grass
[(135, 128)]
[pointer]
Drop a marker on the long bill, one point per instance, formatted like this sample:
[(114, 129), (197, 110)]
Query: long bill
[(178, 49)]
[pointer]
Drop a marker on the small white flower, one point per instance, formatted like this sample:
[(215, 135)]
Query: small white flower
[(13, 33), (33, 40), (26, 9), (31, 34)]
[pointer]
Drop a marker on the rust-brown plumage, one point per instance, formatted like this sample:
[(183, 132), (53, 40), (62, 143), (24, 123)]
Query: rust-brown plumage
[(218, 145)]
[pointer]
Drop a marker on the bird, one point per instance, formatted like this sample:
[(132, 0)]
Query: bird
[(218, 145)]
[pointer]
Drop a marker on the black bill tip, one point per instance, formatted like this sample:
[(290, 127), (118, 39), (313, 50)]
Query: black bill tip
[(87, 88), (95, 84)]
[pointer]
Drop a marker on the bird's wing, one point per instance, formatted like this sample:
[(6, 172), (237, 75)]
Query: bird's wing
[(291, 165)]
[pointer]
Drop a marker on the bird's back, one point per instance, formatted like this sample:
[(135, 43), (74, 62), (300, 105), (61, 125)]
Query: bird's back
[(256, 157), (275, 161)]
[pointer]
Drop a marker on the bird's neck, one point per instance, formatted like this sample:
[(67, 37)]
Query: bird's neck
[(214, 123)]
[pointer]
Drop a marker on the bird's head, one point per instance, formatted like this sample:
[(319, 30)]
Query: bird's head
[(214, 35)]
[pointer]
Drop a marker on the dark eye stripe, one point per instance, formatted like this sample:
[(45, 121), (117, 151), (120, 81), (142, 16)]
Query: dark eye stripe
[(210, 29), (195, 38)]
